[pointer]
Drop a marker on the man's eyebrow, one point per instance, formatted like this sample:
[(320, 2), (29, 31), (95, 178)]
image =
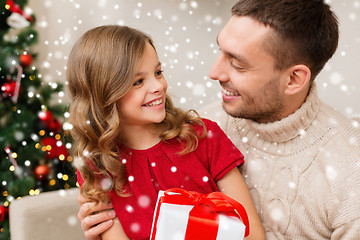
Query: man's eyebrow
[(140, 73), (237, 57)]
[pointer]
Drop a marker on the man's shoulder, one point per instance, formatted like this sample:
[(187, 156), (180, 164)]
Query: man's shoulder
[(343, 123), (344, 132)]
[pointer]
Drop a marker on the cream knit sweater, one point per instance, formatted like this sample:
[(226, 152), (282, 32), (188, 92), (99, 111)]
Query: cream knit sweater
[(303, 172)]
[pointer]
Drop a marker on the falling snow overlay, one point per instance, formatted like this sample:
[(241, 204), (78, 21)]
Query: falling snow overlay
[(301, 170), (185, 34), (34, 155)]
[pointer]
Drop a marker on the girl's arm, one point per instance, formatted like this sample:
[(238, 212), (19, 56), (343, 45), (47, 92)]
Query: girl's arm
[(115, 232), (234, 186)]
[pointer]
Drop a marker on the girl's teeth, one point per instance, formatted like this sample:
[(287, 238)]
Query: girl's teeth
[(155, 103), (228, 93)]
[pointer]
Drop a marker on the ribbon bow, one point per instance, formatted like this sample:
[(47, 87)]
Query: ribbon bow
[(206, 210)]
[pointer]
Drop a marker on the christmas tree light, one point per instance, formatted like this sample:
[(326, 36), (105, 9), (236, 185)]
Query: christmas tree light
[(33, 156)]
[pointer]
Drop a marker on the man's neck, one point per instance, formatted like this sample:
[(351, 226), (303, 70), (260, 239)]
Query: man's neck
[(294, 102)]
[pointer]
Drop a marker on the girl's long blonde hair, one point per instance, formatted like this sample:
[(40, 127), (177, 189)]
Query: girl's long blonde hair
[(100, 71)]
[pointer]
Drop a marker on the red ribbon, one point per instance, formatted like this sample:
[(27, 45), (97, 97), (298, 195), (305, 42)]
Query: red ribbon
[(203, 220), (18, 82), (9, 152)]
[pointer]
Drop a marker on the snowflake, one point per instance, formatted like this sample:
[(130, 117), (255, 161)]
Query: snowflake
[(72, 220), (129, 208), (331, 173), (336, 78), (302, 132), (292, 185), (198, 89), (210, 134), (106, 184), (277, 214), (135, 227), (144, 201)]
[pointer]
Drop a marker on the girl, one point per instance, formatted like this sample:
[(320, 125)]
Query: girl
[(131, 140)]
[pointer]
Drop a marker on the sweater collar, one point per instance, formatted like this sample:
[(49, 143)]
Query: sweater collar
[(291, 126)]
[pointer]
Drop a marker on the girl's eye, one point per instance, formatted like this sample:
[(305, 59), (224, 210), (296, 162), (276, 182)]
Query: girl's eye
[(159, 73), (138, 82)]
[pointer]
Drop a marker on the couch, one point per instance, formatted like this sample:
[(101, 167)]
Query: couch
[(49, 215)]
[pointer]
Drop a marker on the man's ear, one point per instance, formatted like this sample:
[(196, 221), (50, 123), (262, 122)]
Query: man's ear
[(298, 79)]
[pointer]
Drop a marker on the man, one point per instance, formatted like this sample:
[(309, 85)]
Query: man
[(302, 157)]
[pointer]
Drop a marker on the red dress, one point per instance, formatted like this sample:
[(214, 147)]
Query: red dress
[(161, 168)]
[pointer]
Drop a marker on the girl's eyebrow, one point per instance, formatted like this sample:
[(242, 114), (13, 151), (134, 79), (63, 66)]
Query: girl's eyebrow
[(140, 73)]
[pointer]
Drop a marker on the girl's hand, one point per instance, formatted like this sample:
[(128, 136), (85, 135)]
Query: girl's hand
[(95, 220)]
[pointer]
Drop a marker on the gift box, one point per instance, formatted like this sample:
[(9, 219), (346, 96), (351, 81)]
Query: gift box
[(188, 215)]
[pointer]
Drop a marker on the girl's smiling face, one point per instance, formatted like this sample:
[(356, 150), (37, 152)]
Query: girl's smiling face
[(144, 103)]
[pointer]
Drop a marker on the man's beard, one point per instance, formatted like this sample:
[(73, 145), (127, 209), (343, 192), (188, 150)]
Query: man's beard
[(267, 106)]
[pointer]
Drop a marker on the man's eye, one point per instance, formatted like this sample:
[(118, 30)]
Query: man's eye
[(236, 67), (138, 82)]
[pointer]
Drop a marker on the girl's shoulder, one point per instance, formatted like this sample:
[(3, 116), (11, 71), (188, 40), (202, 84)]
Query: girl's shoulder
[(211, 125), (211, 128), (207, 121)]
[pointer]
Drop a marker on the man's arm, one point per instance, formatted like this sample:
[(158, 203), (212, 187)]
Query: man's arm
[(350, 231), (234, 186), (95, 219)]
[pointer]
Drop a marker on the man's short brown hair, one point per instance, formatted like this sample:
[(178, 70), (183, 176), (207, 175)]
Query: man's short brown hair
[(303, 31)]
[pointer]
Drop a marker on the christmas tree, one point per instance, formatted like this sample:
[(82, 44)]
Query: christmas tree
[(34, 155)]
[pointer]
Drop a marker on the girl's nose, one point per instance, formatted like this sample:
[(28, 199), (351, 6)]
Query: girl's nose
[(158, 85)]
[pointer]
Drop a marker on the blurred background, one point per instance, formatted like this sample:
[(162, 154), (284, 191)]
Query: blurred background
[(185, 33), (35, 40)]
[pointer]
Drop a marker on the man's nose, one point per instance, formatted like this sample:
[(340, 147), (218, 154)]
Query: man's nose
[(219, 71)]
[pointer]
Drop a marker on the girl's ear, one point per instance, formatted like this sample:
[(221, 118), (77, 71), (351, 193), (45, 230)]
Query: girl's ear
[(298, 79)]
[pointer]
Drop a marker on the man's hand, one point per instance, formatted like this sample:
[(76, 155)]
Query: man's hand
[(95, 220)]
